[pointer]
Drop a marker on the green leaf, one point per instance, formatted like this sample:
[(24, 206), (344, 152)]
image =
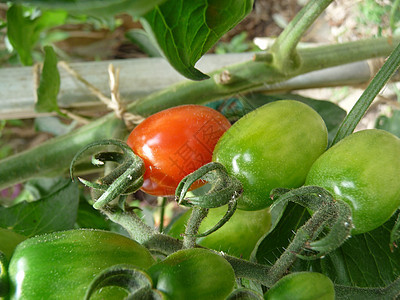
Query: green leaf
[(57, 211), (185, 30), (88, 217), (141, 38), (24, 28), (49, 83), (97, 8), (20, 32)]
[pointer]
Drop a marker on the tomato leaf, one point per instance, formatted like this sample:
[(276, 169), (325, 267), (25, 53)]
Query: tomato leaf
[(56, 211), (185, 30), (20, 32), (97, 8), (24, 28), (49, 83)]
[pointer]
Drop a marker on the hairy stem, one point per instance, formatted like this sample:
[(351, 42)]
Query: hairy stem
[(130, 221), (303, 236), (192, 227)]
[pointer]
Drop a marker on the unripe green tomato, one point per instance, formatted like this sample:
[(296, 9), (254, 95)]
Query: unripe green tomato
[(302, 286), (270, 147), (61, 265), (363, 170), (237, 237), (195, 274)]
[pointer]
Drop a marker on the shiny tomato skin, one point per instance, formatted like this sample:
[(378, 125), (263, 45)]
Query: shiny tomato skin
[(194, 274), (61, 265), (302, 286), (175, 142), (273, 146), (362, 170)]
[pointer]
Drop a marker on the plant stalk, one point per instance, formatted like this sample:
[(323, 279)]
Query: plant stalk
[(192, 227), (54, 156), (284, 49)]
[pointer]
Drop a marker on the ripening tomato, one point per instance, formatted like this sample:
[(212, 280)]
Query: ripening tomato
[(174, 143)]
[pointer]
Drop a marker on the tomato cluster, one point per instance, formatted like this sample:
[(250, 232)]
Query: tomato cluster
[(279, 145)]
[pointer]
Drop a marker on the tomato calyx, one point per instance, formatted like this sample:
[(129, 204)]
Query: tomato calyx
[(224, 189), (329, 213), (125, 179), (135, 281)]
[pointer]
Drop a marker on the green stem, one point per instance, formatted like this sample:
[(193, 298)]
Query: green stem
[(54, 156), (130, 221), (192, 227), (284, 48), (303, 236), (368, 96), (250, 270), (162, 213)]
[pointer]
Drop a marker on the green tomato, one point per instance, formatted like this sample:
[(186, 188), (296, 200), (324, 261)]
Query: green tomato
[(302, 286), (237, 237), (61, 265), (362, 170), (193, 274), (270, 147)]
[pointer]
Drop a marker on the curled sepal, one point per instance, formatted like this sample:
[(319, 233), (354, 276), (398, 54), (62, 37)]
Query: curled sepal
[(244, 294), (124, 179), (395, 234), (229, 213), (338, 233), (328, 213), (223, 187), (135, 281), (4, 282)]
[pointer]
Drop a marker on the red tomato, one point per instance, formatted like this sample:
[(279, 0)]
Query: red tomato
[(174, 143)]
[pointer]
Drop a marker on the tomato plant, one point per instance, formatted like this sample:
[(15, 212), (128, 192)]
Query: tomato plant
[(61, 265), (194, 274), (272, 146), (174, 143), (259, 165), (362, 170)]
